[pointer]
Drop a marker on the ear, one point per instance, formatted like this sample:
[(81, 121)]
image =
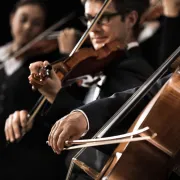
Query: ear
[(131, 19), (11, 17)]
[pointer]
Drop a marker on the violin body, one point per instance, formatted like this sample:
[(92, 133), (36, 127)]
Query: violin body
[(155, 158), (90, 61)]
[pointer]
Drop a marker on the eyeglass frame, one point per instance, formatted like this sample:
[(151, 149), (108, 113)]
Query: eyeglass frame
[(109, 16)]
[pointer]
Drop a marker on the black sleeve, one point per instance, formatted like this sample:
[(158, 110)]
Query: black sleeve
[(98, 112), (63, 104)]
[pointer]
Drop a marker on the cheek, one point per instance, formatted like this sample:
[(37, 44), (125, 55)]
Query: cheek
[(114, 30), (36, 30), (16, 28), (108, 32), (120, 32), (113, 33)]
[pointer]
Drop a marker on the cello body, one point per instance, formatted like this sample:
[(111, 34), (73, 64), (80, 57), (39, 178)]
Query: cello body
[(155, 158)]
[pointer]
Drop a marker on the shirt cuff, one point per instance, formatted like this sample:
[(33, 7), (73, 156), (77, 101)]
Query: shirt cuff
[(78, 110)]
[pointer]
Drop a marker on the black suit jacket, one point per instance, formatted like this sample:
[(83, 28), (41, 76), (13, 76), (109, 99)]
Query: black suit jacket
[(106, 108)]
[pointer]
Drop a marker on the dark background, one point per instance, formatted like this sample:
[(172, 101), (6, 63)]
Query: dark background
[(57, 9)]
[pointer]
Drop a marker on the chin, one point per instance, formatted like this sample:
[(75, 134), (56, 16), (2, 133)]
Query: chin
[(98, 46)]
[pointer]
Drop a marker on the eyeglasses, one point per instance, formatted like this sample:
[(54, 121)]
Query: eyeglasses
[(105, 18)]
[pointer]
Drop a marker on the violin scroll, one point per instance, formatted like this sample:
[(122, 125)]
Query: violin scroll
[(38, 79)]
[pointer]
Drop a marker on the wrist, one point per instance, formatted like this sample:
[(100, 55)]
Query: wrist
[(171, 11), (84, 120), (51, 95), (51, 98)]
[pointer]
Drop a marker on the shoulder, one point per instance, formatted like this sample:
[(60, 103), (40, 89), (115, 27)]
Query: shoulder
[(136, 64)]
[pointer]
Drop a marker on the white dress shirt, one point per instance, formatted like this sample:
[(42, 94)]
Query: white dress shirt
[(9, 63)]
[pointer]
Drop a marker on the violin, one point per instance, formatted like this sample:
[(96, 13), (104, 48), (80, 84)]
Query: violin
[(76, 65)]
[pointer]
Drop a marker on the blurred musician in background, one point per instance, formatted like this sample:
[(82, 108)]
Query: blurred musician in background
[(27, 20)]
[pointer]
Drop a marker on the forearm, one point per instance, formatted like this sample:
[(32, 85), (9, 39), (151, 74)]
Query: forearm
[(100, 111), (64, 103)]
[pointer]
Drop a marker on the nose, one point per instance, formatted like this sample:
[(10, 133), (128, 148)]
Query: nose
[(97, 27)]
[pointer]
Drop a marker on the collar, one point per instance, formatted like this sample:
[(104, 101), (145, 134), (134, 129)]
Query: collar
[(10, 64), (132, 45)]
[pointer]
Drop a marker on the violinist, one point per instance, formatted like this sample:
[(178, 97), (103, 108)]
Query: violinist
[(27, 20)]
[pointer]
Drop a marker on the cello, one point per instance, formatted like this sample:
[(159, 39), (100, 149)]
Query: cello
[(154, 158)]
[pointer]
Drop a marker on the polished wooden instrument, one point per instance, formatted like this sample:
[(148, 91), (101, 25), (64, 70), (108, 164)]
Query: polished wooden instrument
[(154, 158)]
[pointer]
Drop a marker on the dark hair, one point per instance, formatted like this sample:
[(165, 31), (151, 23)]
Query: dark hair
[(124, 7)]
